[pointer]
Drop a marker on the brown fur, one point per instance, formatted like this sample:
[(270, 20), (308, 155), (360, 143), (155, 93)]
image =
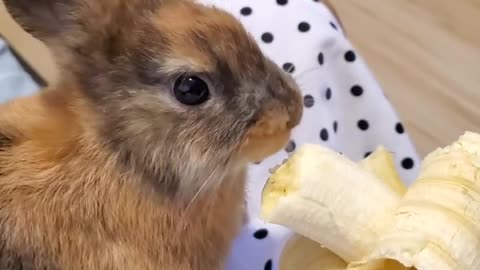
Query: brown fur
[(63, 198), (105, 170), (79, 211)]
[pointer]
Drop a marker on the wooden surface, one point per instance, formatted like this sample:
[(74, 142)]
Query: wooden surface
[(425, 53)]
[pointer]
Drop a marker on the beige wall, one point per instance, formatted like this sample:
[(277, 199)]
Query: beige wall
[(33, 51)]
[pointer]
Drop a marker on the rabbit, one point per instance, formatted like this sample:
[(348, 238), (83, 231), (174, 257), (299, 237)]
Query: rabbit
[(136, 157)]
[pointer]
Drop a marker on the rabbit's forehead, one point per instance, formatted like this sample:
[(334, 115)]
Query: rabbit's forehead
[(206, 39)]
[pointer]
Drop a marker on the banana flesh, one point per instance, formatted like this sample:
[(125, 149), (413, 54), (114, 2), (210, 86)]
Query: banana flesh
[(362, 217), (305, 254), (326, 197), (382, 165)]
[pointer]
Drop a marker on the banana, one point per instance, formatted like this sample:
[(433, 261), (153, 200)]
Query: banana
[(330, 199), (362, 213), (437, 223), (303, 253)]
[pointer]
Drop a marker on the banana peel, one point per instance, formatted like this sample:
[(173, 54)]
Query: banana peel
[(374, 222), (302, 253)]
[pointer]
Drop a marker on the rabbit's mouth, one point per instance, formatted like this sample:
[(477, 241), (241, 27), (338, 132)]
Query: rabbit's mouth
[(267, 136), (259, 147)]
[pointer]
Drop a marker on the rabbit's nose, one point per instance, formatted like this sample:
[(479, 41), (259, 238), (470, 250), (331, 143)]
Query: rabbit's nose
[(271, 121), (292, 101), (282, 115), (287, 99), (295, 110)]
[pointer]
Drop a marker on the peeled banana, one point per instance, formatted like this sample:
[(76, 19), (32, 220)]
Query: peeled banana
[(326, 197), (303, 253), (371, 221)]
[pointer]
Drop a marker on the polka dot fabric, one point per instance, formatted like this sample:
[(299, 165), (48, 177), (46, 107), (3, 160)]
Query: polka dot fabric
[(345, 107)]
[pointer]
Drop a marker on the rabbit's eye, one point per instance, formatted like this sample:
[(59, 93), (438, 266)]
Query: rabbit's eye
[(191, 90)]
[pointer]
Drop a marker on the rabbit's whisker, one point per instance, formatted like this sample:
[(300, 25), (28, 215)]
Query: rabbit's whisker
[(297, 77), (197, 193), (290, 69)]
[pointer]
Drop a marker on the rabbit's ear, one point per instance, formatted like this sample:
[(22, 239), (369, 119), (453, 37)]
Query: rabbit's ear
[(43, 19)]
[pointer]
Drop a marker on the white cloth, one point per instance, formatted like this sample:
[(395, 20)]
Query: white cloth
[(346, 108), (14, 80)]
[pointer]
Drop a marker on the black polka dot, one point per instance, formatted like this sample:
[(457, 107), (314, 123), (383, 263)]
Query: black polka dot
[(399, 128), (303, 27), (308, 101), (282, 2), (333, 25), (289, 67), (261, 234), (267, 37), (328, 94), (268, 265), (320, 59), (363, 124), (290, 146), (324, 134), (350, 56), (257, 162), (335, 126), (367, 154), (407, 163), (356, 90), (246, 11)]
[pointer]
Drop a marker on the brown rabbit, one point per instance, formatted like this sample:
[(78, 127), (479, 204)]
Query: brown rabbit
[(136, 157)]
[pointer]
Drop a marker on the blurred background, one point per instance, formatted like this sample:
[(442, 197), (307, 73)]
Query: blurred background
[(425, 54)]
